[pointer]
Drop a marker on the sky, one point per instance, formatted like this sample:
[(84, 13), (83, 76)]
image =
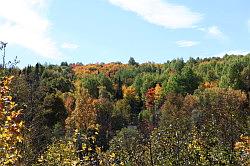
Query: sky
[(95, 31)]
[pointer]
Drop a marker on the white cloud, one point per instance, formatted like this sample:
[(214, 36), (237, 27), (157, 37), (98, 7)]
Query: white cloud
[(215, 32), (22, 23), (70, 45), (161, 13), (186, 43), (248, 25), (231, 52)]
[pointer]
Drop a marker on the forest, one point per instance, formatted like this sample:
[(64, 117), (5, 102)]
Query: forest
[(191, 112)]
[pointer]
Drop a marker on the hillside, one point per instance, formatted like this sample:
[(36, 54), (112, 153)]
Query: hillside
[(193, 112)]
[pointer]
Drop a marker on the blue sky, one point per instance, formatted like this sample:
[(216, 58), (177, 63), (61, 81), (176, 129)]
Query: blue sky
[(91, 31)]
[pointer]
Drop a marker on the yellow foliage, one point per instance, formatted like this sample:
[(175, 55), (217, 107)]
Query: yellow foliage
[(84, 114), (158, 92), (10, 127), (61, 152), (243, 149), (129, 92), (109, 69)]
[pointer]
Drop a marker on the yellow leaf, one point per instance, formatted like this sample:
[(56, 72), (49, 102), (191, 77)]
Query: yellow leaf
[(112, 155), (86, 157), (83, 146), (8, 118)]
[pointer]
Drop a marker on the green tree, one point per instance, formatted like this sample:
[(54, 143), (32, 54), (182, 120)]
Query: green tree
[(185, 82), (91, 83), (132, 62), (118, 93), (121, 115)]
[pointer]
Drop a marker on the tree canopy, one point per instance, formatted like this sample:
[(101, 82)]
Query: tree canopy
[(193, 112)]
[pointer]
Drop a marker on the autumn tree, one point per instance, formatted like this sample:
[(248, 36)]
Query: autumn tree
[(84, 114), (221, 118), (10, 126), (129, 94)]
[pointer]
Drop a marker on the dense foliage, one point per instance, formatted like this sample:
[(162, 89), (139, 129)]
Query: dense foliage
[(10, 126), (193, 112)]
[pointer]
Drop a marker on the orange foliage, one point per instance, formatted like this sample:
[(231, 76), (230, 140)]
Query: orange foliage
[(129, 92), (108, 69), (153, 97), (69, 102), (243, 144), (158, 92), (212, 84), (243, 148), (84, 114), (150, 98)]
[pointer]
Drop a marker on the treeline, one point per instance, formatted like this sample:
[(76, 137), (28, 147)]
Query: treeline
[(176, 113)]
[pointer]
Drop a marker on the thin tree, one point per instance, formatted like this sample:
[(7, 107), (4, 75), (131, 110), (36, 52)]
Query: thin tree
[(2, 47)]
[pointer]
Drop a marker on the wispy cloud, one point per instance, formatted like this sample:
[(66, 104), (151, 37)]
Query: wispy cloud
[(186, 43), (161, 13), (23, 23), (215, 32), (248, 25), (231, 52), (69, 45)]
